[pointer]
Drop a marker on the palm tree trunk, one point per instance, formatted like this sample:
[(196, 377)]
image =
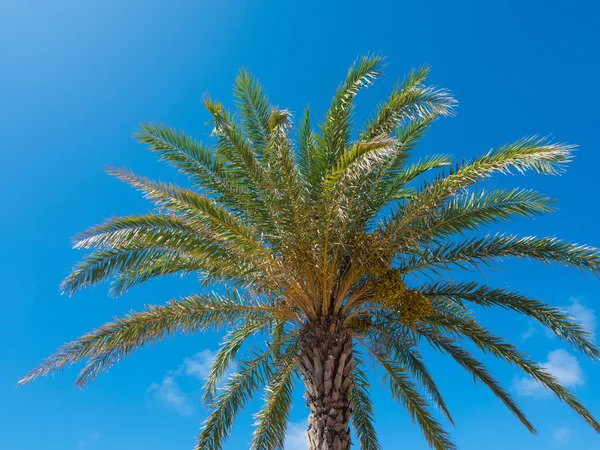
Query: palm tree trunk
[(326, 364)]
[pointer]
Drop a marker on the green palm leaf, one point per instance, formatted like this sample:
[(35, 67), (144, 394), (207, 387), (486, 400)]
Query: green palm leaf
[(115, 340), (477, 370), (488, 249), (404, 390), (553, 318), (487, 342), (254, 105), (241, 386), (400, 350), (362, 409), (271, 421), (228, 351)]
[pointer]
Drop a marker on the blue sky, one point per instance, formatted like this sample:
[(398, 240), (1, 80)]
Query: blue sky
[(77, 77)]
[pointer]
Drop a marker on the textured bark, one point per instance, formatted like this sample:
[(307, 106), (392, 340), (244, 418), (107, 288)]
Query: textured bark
[(326, 364)]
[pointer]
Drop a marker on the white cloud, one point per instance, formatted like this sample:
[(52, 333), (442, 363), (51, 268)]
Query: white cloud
[(562, 365), (561, 434), (198, 366), (89, 441), (585, 316), (170, 394), (531, 330), (295, 438)]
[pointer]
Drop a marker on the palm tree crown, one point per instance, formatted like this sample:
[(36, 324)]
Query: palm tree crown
[(320, 236)]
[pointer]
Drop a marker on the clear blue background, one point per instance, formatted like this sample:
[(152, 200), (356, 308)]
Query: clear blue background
[(77, 77)]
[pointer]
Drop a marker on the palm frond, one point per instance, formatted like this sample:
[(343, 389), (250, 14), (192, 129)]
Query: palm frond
[(122, 231), (388, 184), (139, 248), (271, 421), (241, 386), (306, 150), (476, 369), (205, 169), (219, 222), (467, 212), (233, 146), (336, 127), (488, 342), (102, 265), (208, 269), (363, 419), (255, 109), (115, 340), (402, 177), (399, 349), (191, 205), (228, 351), (346, 181), (486, 250), (405, 391), (553, 318), (410, 100), (244, 165), (252, 374), (362, 157), (532, 154), (288, 191)]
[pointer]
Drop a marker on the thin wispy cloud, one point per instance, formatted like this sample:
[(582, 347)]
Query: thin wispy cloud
[(561, 434), (198, 366), (168, 393), (295, 438), (88, 442), (562, 365), (583, 315), (531, 330)]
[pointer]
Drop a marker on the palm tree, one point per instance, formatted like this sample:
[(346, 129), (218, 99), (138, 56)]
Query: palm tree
[(320, 238)]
